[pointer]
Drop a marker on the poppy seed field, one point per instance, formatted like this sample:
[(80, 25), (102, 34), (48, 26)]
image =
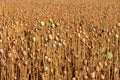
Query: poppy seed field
[(59, 39)]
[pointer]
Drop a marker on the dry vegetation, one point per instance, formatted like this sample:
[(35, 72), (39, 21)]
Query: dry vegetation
[(59, 40)]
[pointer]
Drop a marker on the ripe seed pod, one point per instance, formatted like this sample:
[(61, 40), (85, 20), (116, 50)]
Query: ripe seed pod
[(46, 69), (97, 68), (46, 57), (115, 69), (52, 70), (19, 65), (118, 24), (78, 34), (100, 64), (85, 77), (50, 20), (93, 75), (85, 62), (25, 63), (105, 64), (102, 77), (24, 53), (34, 39), (49, 60), (2, 62), (1, 41), (1, 51), (50, 37), (56, 38), (65, 72), (42, 23), (116, 36), (9, 55), (73, 78), (52, 26), (64, 43)]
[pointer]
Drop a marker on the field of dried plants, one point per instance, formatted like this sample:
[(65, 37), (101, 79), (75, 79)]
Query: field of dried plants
[(59, 39)]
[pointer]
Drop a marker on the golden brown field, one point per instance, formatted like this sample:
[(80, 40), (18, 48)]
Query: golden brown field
[(59, 39)]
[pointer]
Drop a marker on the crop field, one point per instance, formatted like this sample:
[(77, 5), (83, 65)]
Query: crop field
[(59, 39)]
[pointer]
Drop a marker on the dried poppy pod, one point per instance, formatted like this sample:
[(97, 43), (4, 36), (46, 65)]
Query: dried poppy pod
[(97, 68), (14, 42), (85, 77), (60, 40), (1, 41), (83, 40), (33, 39), (25, 63), (54, 45), (93, 74), (52, 70), (73, 78), (10, 55), (116, 36), (85, 62), (78, 34), (106, 64), (50, 37), (65, 72), (52, 26), (48, 32), (49, 60), (57, 24), (118, 24), (64, 43), (70, 36), (59, 44), (87, 69), (2, 62), (42, 23), (24, 53), (13, 59), (1, 51), (46, 69), (46, 57), (102, 77), (68, 27), (50, 20), (43, 77), (19, 64), (56, 38), (100, 64), (116, 70), (46, 39)]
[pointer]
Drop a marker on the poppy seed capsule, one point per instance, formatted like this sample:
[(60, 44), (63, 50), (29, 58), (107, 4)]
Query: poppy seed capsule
[(56, 38), (25, 63), (34, 39), (49, 60), (78, 35), (85, 77), (65, 72), (85, 62), (50, 37), (2, 62), (97, 68), (102, 77), (73, 78), (1, 51), (9, 55), (93, 75), (42, 23), (118, 24), (100, 64), (1, 41)]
